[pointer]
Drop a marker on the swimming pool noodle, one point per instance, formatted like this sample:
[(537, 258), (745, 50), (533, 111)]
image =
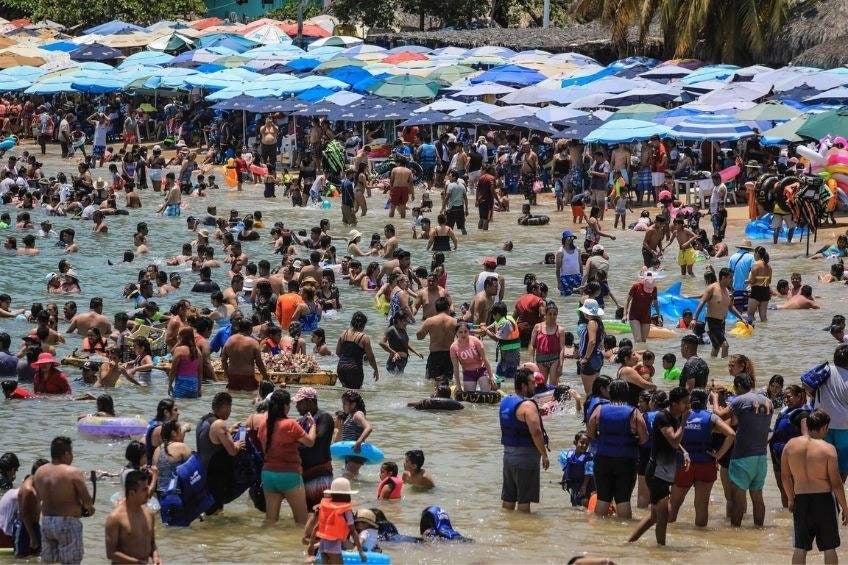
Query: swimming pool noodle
[(370, 557)]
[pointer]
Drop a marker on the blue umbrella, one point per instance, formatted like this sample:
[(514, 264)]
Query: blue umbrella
[(626, 131), (113, 27), (512, 75), (472, 118), (368, 84), (95, 52), (99, 84), (426, 119), (148, 58), (589, 77), (579, 127), (210, 68), (530, 122), (710, 72), (303, 64), (11, 84), (350, 74), (315, 93), (24, 72), (61, 46), (712, 127), (640, 96), (236, 103)]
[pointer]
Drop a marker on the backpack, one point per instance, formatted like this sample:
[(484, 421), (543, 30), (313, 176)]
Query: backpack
[(816, 377)]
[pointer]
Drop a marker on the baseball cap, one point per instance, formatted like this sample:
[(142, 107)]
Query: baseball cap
[(490, 262), (305, 393), (567, 234), (597, 248)]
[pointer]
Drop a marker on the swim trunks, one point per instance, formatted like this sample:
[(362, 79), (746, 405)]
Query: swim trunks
[(814, 518), (568, 283), (839, 440), (508, 364), (716, 330), (186, 387), (172, 210), (748, 473), (242, 382), (61, 539), (98, 150), (701, 472), (439, 365), (399, 195), (615, 478), (657, 488), (760, 293), (686, 257)]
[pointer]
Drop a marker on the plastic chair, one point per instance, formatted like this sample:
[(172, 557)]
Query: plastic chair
[(728, 176)]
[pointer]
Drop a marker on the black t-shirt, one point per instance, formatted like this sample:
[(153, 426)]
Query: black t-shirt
[(663, 462), (319, 453), (475, 161), (695, 368), (208, 287)]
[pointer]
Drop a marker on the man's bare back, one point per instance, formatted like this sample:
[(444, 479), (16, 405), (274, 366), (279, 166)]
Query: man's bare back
[(809, 460), (441, 329), (62, 491), (241, 352), (132, 532)]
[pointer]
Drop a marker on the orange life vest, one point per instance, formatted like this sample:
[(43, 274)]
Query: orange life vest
[(331, 521)]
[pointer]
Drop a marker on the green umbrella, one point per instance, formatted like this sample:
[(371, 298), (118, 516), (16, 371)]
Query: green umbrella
[(232, 61), (642, 112), (337, 62), (771, 111), (787, 132), (407, 86), (832, 122), (449, 74)]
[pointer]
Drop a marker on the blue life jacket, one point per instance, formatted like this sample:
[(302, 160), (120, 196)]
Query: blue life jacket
[(697, 436), (784, 430), (575, 466), (591, 403), (427, 155), (148, 438), (615, 439), (436, 523), (309, 321), (649, 416), (186, 497), (515, 433)]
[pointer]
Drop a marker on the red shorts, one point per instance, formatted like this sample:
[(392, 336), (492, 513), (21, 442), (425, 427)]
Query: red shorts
[(704, 472), (130, 139), (399, 195)]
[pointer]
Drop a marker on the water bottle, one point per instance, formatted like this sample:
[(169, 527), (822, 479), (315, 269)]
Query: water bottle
[(242, 432)]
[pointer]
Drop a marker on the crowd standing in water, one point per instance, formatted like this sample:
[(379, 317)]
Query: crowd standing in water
[(636, 437)]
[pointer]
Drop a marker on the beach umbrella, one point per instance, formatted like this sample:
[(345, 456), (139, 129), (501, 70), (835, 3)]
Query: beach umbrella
[(505, 112), (491, 51), (6, 41), (95, 52), (450, 73), (535, 94), (403, 57), (429, 118), (23, 72), (113, 27), (587, 75), (344, 41), (626, 131), (833, 122), (173, 43), (10, 59), (343, 98), (409, 49), (838, 95), (786, 132), (12, 84), (269, 35), (556, 114), (338, 62), (478, 106), (52, 86), (147, 58), (407, 86), (302, 65), (315, 94), (62, 46), (126, 41), (236, 103), (645, 112), (98, 84), (529, 122), (166, 25), (576, 58), (442, 105), (512, 75), (472, 118), (710, 72), (484, 89), (349, 74), (691, 64), (820, 81), (578, 127), (771, 111), (711, 127), (640, 96), (232, 61), (363, 49), (666, 72)]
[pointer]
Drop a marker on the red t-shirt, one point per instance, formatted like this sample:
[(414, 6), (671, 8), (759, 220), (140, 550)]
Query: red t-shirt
[(56, 382), (640, 303), (527, 308), (282, 455), (21, 393)]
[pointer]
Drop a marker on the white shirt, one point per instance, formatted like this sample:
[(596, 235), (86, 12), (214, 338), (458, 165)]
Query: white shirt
[(719, 194), (483, 150), (6, 185), (65, 191), (481, 280), (88, 211), (833, 398), (8, 510)]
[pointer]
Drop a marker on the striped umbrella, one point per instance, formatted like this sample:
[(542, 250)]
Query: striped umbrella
[(714, 127)]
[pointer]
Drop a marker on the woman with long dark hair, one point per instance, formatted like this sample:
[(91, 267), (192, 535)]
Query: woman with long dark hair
[(352, 348), (184, 376), (279, 437), (351, 425), (170, 454)]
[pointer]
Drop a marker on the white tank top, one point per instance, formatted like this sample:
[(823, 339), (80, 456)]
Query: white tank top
[(481, 280), (570, 262)]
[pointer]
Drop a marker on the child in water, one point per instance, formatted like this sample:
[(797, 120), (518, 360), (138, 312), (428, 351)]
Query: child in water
[(577, 470), (334, 523), (670, 371), (390, 486), (365, 522), (413, 470)]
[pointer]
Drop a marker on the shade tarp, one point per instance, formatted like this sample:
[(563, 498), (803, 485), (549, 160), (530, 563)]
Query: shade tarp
[(833, 123)]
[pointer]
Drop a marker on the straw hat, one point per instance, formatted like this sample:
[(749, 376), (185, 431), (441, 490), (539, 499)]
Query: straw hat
[(353, 235), (746, 244), (365, 516), (338, 486), (591, 308), (46, 359)]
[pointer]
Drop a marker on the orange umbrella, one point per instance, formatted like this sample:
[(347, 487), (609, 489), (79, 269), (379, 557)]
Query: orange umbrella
[(309, 30), (21, 22), (405, 56), (14, 60), (6, 41), (206, 22)]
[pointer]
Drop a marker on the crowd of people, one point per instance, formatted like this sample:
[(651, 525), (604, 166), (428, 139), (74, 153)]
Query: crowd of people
[(283, 281)]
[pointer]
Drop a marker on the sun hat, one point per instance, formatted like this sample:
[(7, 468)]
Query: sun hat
[(339, 486), (308, 280), (568, 234), (591, 308), (352, 235), (181, 143), (597, 248), (746, 244), (44, 359), (305, 393), (665, 195), (365, 516), (157, 148)]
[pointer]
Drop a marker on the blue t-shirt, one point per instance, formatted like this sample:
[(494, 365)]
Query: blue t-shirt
[(740, 263), (8, 365)]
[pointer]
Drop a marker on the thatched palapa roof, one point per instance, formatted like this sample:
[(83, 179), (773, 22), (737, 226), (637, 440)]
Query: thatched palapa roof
[(811, 24), (588, 38), (826, 55)]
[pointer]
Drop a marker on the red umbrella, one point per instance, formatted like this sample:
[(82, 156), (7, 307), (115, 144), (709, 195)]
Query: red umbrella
[(405, 56), (206, 22), (690, 64), (309, 30)]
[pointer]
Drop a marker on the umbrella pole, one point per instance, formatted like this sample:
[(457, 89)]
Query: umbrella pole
[(244, 128)]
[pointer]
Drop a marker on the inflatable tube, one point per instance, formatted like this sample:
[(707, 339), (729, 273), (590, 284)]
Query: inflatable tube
[(437, 404), (741, 329), (493, 397), (370, 557), (372, 455), (811, 155), (540, 220), (616, 327), (658, 332), (672, 304), (112, 427), (381, 304), (761, 229), (8, 143)]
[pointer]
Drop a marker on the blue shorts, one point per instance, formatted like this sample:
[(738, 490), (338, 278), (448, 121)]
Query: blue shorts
[(280, 482), (839, 440), (748, 473), (98, 150), (568, 283), (185, 387), (172, 210)]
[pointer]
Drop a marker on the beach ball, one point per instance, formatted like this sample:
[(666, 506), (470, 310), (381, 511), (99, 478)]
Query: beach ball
[(325, 204)]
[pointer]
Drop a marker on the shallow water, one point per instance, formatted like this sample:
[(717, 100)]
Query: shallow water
[(462, 448)]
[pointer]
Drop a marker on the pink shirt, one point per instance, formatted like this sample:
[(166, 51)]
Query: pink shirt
[(471, 355)]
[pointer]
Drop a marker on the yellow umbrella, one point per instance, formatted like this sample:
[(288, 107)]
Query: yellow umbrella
[(14, 60), (6, 41)]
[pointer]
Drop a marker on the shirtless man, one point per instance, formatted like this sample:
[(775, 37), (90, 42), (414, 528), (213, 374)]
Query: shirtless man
[(29, 512), (652, 244), (236, 287), (238, 357), (237, 256), (481, 305), (130, 530), (202, 332), (173, 197), (64, 499), (621, 161), (176, 323), (810, 476), (529, 171), (718, 300), (802, 301), (313, 269), (94, 318), (400, 188), (428, 295), (391, 240), (685, 238), (401, 264), (441, 328), (6, 307)]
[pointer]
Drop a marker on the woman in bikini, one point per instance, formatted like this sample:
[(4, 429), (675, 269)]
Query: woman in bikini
[(546, 341), (760, 280)]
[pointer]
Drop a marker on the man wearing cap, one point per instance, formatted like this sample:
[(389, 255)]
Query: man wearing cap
[(316, 461), (48, 379), (489, 266), (740, 264), (596, 263), (568, 266)]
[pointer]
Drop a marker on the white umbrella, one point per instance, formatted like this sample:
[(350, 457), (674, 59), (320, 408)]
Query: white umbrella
[(476, 106), (507, 112), (534, 94), (335, 41), (484, 89), (576, 58), (824, 80), (838, 95), (490, 51), (751, 72), (783, 74), (442, 105), (552, 114), (269, 35), (666, 71)]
